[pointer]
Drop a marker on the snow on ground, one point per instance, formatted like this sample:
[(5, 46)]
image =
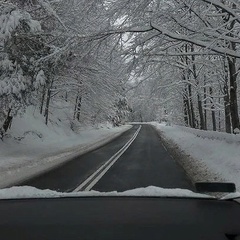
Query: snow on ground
[(151, 191), (216, 152), (34, 147), (229, 138)]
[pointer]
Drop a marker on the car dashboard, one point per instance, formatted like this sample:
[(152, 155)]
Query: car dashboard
[(119, 218)]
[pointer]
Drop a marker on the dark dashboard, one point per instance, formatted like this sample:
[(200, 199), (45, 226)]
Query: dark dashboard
[(119, 218)]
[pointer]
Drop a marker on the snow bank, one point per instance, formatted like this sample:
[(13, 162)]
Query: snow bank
[(151, 191), (218, 152), (229, 138), (34, 147)]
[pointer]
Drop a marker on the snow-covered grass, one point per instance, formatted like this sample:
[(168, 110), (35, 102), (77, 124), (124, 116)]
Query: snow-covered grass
[(219, 153), (230, 138), (151, 191), (32, 147)]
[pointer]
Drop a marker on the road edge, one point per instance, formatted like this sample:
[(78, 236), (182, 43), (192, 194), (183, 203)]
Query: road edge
[(29, 172), (195, 171)]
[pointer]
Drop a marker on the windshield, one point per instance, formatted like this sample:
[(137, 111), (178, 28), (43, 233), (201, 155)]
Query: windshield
[(118, 98)]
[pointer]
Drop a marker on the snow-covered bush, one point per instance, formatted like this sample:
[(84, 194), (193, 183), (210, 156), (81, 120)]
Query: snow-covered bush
[(20, 44)]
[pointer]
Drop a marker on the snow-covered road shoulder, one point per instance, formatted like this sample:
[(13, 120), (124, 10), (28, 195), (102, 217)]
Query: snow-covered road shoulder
[(21, 161), (211, 156)]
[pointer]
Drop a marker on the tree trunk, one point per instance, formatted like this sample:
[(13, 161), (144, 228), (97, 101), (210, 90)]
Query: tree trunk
[(185, 111), (187, 76), (7, 123), (219, 114), (227, 113), (188, 110), (232, 76), (214, 120), (213, 111), (186, 106), (233, 91), (200, 108), (205, 103), (227, 110), (79, 107), (193, 122), (75, 108), (49, 91), (43, 98)]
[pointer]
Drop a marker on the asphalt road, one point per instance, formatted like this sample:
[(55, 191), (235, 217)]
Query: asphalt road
[(145, 162)]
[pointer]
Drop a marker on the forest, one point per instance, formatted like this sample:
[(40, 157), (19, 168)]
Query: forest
[(108, 60)]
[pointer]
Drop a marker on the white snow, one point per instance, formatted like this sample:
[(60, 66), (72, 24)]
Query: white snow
[(40, 79), (231, 196), (151, 191), (8, 23), (236, 131), (219, 152), (42, 147), (229, 138)]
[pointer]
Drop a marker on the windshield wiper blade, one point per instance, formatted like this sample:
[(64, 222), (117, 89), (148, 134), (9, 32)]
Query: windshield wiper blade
[(203, 187)]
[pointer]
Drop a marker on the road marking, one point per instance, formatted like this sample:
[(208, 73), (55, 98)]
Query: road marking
[(96, 176)]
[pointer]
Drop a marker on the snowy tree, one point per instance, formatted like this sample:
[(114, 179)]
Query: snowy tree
[(122, 111), (185, 32), (19, 41)]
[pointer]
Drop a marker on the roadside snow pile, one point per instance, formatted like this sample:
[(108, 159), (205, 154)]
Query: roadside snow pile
[(229, 138), (151, 191), (220, 157), (33, 147)]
